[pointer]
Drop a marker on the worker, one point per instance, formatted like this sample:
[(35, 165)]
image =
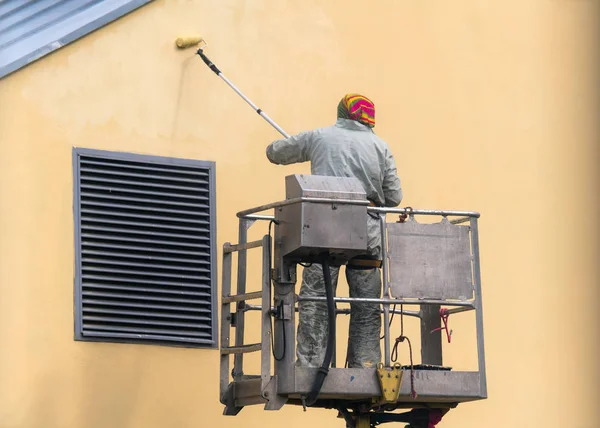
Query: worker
[(349, 148)]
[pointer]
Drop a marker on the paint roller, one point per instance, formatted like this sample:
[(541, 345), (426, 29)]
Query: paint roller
[(191, 41)]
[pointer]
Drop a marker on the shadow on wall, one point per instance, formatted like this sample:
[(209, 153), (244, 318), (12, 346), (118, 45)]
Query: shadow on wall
[(185, 66)]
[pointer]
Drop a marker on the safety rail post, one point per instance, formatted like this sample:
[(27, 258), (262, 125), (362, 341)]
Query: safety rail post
[(238, 363), (225, 323), (478, 307), (265, 363), (386, 290)]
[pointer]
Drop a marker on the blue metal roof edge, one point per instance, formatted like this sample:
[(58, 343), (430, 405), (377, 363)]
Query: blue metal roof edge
[(31, 56)]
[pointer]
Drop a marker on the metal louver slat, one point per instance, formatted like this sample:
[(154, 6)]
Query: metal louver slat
[(124, 320), (109, 237), (129, 255), (145, 205), (140, 183), (106, 220), (145, 314), (145, 249), (123, 297), (171, 267), (148, 273), (177, 307), (133, 166), (132, 329), (110, 189), (115, 247), (154, 176), (109, 278), (90, 197), (179, 292), (150, 338), (124, 211), (131, 231)]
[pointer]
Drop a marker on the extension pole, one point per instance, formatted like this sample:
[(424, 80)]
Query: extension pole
[(187, 42), (265, 116)]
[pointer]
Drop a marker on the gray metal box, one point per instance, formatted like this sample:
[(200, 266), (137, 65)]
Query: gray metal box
[(307, 229)]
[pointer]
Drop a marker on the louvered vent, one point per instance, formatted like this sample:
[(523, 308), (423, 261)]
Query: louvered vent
[(145, 243)]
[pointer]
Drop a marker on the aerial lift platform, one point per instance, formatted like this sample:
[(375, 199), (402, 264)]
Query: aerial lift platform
[(433, 266)]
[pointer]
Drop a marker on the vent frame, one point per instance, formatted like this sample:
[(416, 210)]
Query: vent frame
[(141, 233)]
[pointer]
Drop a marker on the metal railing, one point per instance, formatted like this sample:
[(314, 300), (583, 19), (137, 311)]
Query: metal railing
[(236, 319)]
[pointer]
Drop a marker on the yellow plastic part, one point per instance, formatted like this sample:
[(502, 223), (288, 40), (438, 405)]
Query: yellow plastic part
[(390, 380), (187, 42)]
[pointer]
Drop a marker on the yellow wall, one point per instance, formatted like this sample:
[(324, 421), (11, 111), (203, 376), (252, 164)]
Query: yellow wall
[(488, 106)]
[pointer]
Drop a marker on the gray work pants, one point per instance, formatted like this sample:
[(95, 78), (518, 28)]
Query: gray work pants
[(365, 318)]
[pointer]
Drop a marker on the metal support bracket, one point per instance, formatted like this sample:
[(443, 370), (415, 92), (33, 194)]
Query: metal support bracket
[(274, 400), (285, 271), (229, 400), (390, 380), (283, 312)]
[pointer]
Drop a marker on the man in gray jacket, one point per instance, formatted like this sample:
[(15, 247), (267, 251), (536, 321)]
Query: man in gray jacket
[(347, 149)]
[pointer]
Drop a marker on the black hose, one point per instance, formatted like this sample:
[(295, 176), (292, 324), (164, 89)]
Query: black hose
[(270, 300), (324, 369)]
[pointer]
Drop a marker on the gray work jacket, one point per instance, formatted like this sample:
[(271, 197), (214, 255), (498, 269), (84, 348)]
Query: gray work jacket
[(346, 149)]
